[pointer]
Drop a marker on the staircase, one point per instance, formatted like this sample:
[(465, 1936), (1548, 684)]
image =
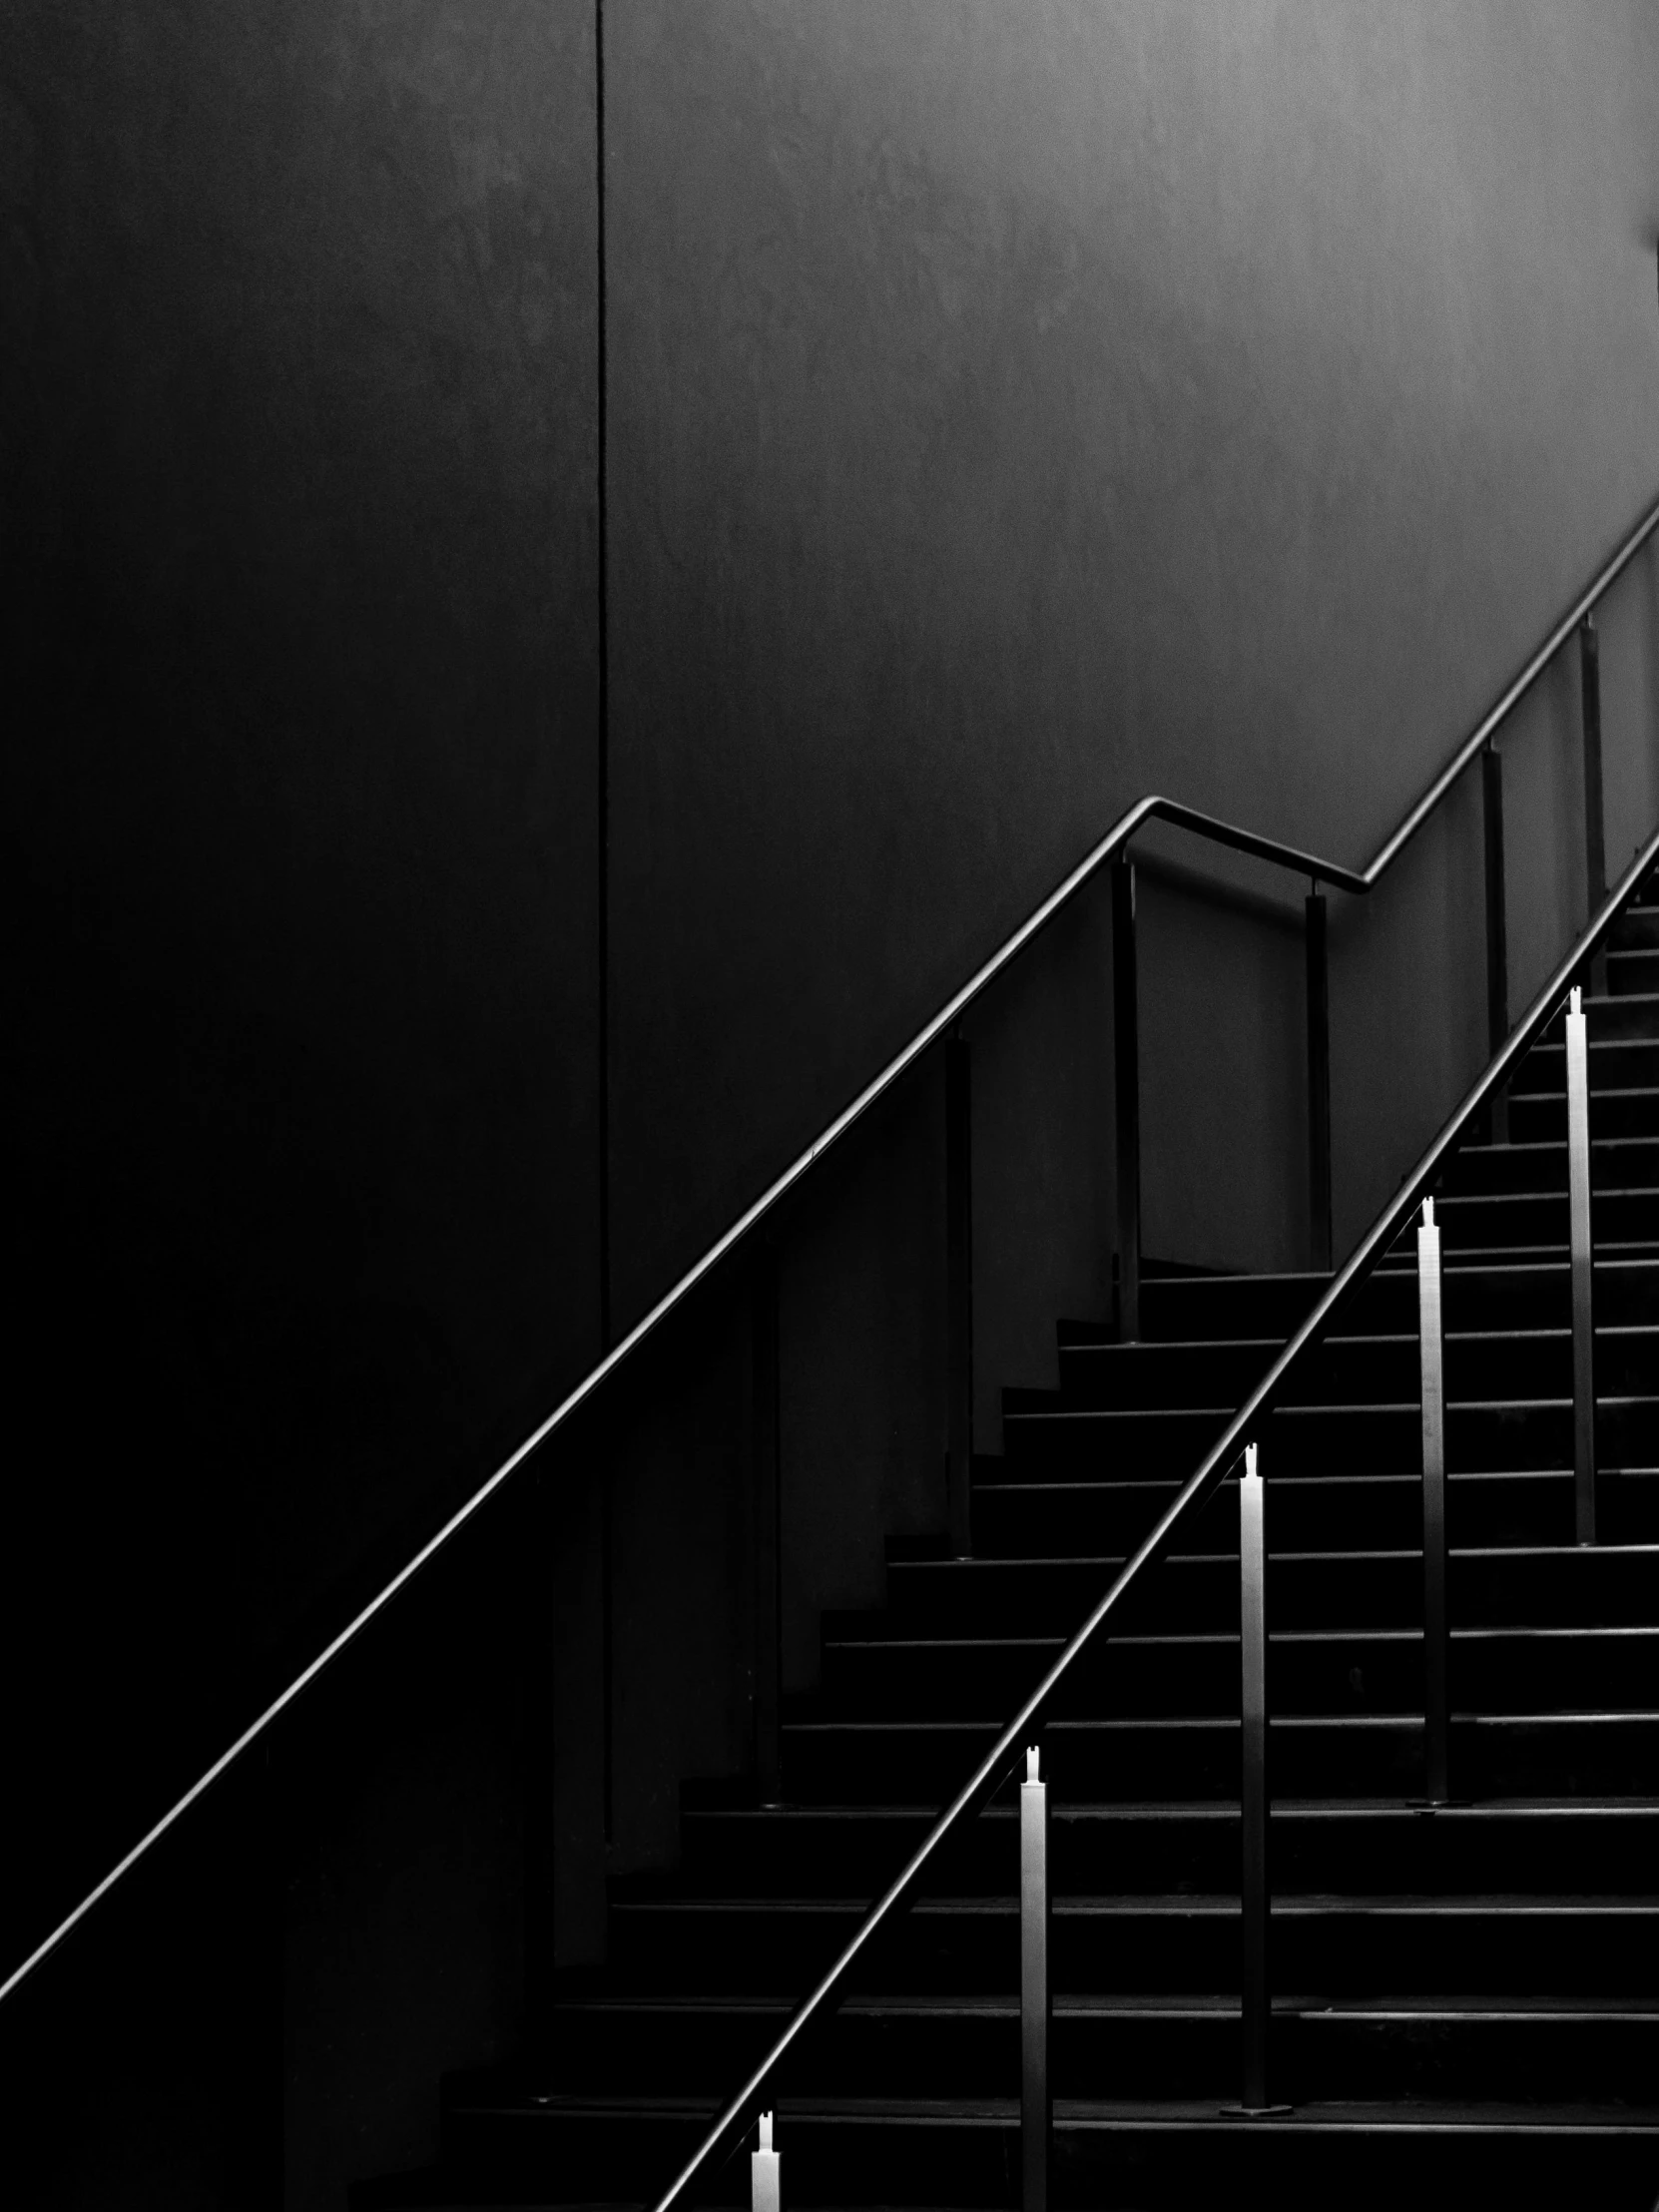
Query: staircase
[(1466, 2000)]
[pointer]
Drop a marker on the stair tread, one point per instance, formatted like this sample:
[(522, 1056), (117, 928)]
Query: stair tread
[(1178, 1904), (1623, 1717), (1144, 1489), (1413, 2115)]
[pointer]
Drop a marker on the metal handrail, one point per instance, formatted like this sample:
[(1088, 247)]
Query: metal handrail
[(1514, 692), (1152, 807), (1218, 1462)]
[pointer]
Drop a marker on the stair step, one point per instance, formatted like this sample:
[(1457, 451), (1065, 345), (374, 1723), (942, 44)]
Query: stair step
[(1036, 1517), (1309, 1671), (963, 2151), (1359, 1847), (1620, 1109), (1379, 1755), (1541, 1585), (1357, 1437), (1168, 2046), (963, 1946), (1347, 1368), (1616, 1065)]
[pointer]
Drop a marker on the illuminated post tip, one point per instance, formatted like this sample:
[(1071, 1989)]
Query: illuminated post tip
[(765, 2187), (1428, 1213), (1576, 1001), (1031, 1774)]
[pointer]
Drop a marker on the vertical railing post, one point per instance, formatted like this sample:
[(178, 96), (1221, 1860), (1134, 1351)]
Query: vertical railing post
[(1497, 929), (1595, 815), (1431, 1360), (766, 1459), (958, 1236), (1253, 1783), (1036, 2110), (1583, 1273), (1319, 1083), (766, 2181), (1126, 1060)]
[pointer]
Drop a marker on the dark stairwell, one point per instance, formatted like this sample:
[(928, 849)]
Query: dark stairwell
[(1465, 2000)]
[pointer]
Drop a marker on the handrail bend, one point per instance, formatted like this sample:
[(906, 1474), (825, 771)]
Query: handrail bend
[(1152, 807), (1196, 1494)]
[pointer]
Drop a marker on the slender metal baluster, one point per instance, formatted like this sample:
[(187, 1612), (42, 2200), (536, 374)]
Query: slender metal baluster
[(958, 1238), (1431, 1350), (766, 1461), (1126, 1056), (1595, 815), (1253, 1793), (1497, 928), (1583, 1274), (1036, 2109), (766, 2182), (1319, 1083)]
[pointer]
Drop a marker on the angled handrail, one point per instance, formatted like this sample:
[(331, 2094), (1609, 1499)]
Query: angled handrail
[(1194, 1496), (1152, 806), (1514, 692)]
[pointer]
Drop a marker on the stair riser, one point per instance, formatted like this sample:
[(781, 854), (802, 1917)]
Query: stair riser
[(1531, 1365), (1377, 1512), (1576, 1671), (1572, 1587), (974, 1951), (1380, 1850), (1542, 1116), (1315, 1758), (1620, 1015), (1616, 1065), (1616, 1217), (1633, 974), (1616, 1163), (1144, 2055), (1637, 929), (1324, 1440), (1232, 1308)]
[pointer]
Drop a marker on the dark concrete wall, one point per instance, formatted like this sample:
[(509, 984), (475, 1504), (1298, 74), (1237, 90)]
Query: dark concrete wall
[(298, 345), (1019, 409), (1011, 409)]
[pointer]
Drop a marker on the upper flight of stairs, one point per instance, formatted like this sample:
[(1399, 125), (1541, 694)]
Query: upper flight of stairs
[(1466, 2000)]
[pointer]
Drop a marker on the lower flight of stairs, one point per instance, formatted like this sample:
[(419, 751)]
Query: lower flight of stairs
[(1466, 1999)]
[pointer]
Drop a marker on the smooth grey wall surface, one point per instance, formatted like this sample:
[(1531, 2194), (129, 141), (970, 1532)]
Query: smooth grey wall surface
[(1019, 409)]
